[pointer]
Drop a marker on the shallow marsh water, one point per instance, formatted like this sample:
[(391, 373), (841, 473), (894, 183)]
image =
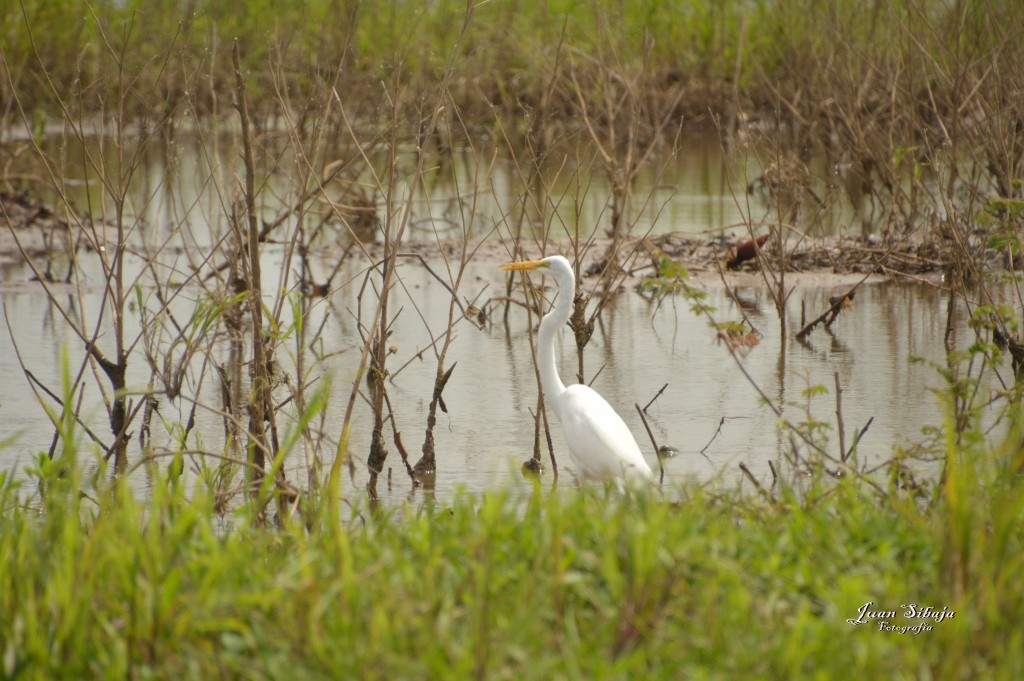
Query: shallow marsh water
[(487, 433), (708, 411)]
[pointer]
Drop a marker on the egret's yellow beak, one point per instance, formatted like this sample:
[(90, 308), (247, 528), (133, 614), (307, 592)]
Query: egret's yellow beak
[(524, 265)]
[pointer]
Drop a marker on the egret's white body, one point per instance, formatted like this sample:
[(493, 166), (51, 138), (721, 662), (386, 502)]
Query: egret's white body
[(600, 443)]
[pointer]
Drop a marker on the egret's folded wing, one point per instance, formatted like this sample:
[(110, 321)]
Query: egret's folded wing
[(599, 440)]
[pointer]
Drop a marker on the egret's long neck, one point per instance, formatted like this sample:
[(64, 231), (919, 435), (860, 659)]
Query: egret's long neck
[(549, 326)]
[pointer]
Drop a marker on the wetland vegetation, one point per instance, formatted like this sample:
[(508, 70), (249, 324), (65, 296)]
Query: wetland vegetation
[(193, 196)]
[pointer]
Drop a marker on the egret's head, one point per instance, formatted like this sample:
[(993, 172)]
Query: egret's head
[(554, 262)]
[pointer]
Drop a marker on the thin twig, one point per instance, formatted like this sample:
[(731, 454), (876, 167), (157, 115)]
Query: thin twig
[(717, 431), (750, 476), (860, 434), (655, 397), (837, 304), (839, 418), (661, 466)]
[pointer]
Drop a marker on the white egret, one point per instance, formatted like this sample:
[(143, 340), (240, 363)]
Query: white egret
[(601, 445)]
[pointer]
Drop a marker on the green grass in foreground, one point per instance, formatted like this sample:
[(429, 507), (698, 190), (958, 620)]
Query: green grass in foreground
[(575, 585)]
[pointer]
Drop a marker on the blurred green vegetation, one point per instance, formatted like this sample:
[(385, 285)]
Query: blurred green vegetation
[(95, 583), (98, 583), (728, 54)]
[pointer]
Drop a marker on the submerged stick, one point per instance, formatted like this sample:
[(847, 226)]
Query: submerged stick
[(838, 303), (661, 466), (718, 431), (839, 418), (760, 488), (655, 397), (860, 434)]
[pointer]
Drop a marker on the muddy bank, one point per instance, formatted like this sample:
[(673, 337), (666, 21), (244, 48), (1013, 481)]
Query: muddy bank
[(30, 228), (827, 261)]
